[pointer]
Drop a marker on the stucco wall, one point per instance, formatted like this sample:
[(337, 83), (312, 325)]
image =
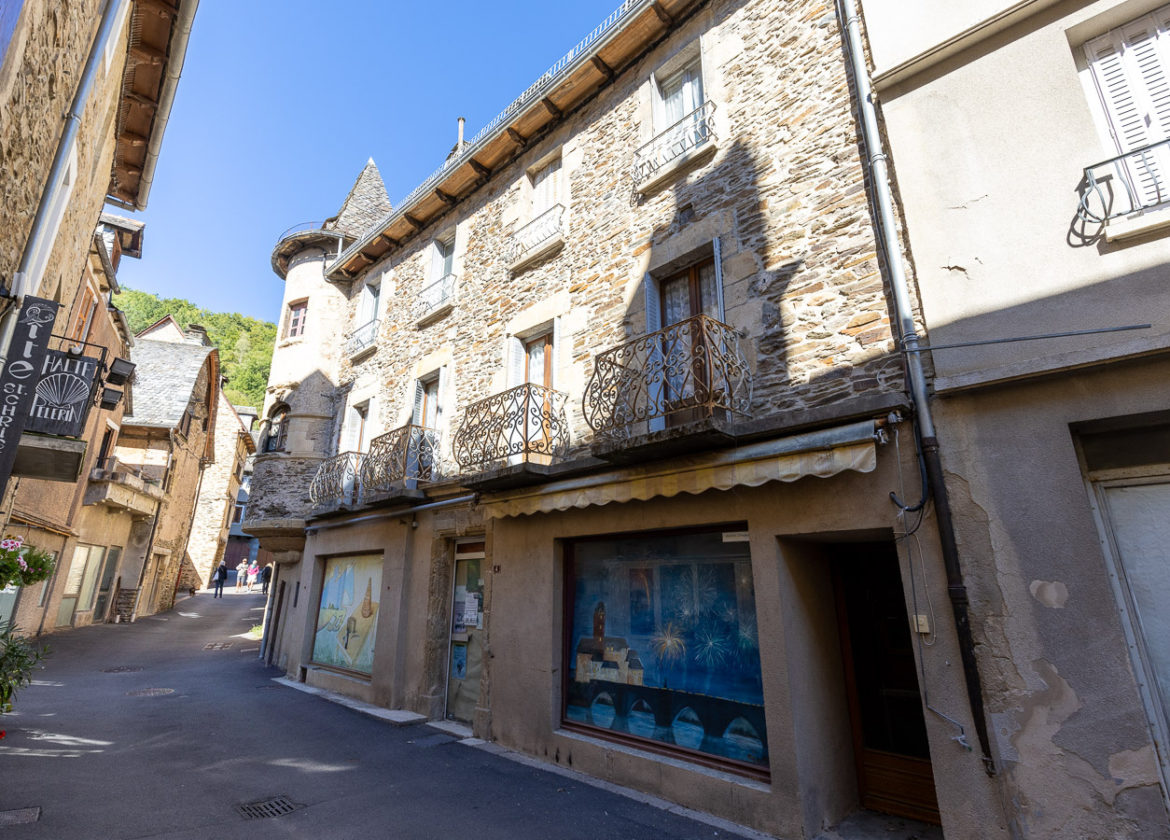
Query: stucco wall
[(217, 493)]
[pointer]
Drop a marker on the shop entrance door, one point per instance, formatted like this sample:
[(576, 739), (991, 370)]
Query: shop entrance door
[(881, 682), (465, 661)]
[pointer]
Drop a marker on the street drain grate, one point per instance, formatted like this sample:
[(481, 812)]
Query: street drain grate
[(275, 807), (150, 692), (20, 816), (217, 646), (122, 669)]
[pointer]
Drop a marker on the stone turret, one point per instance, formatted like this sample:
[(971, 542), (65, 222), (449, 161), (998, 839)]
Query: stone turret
[(297, 420)]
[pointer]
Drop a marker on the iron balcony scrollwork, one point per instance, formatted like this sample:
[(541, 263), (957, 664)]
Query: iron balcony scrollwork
[(1126, 184), (523, 424), (695, 364), (362, 337), (691, 132), (399, 458), (337, 480)]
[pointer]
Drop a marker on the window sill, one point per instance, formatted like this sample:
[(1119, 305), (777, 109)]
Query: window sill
[(1129, 227), (360, 353), (685, 162), (540, 252)]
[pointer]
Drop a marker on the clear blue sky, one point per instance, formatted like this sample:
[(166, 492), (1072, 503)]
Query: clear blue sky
[(282, 101)]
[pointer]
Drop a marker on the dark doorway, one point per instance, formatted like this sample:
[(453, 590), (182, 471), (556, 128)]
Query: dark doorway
[(881, 681)]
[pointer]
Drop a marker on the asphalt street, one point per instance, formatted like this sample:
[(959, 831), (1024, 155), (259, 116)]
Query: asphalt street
[(167, 727)]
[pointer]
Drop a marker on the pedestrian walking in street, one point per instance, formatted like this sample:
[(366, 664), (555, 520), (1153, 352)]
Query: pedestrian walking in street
[(266, 576), (253, 573), (241, 574), (220, 576)]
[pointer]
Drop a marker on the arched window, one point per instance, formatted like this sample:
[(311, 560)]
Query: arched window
[(274, 441)]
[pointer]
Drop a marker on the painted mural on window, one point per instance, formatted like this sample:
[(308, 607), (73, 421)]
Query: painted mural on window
[(347, 621), (663, 643)]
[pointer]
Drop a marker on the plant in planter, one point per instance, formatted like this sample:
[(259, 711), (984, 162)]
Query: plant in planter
[(18, 660), (21, 565)]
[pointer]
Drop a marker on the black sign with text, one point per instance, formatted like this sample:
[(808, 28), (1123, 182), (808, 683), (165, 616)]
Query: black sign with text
[(18, 380), (62, 399)]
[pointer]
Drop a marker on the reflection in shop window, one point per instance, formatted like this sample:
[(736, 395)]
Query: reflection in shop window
[(662, 644)]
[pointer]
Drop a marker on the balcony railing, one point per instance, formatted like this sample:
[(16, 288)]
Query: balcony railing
[(362, 338), (538, 235), (1126, 184), (694, 367), (523, 424), (337, 480), (691, 132), (434, 297), (399, 457)]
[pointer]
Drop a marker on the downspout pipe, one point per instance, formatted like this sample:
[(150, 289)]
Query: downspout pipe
[(883, 198)]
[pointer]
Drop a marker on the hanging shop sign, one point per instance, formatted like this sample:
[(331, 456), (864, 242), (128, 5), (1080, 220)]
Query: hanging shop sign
[(18, 380), (62, 398)]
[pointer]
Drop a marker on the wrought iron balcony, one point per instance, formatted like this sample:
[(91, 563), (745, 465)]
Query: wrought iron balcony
[(362, 338), (1126, 184), (688, 371), (399, 459), (538, 237), (692, 132), (435, 297), (337, 480), (525, 424)]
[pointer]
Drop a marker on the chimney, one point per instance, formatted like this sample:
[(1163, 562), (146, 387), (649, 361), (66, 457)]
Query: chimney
[(459, 145)]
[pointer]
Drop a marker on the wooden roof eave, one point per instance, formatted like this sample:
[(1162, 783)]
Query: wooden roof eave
[(513, 136)]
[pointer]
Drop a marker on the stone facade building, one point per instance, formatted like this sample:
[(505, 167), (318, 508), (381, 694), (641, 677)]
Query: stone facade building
[(1029, 142), (589, 442)]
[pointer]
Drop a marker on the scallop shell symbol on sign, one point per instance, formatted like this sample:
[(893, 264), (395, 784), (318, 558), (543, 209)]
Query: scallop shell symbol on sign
[(60, 390)]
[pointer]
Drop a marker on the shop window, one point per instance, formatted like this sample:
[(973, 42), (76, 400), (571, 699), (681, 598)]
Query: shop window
[(347, 618), (661, 645)]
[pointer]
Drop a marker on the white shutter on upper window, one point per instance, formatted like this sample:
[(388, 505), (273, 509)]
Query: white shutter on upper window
[(416, 416), (515, 359)]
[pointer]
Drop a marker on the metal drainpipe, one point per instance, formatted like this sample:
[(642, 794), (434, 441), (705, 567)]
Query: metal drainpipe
[(57, 173), (879, 170)]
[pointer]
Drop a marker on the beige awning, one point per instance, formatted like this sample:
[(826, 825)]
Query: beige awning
[(819, 454)]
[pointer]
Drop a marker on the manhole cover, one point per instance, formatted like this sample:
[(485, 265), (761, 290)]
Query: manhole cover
[(217, 646), (20, 816), (150, 692), (122, 669), (274, 807)]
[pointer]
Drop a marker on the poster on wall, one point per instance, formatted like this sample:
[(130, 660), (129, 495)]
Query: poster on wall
[(663, 643), (347, 620)]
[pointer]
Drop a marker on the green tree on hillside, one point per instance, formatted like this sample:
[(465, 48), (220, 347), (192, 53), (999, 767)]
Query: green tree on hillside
[(245, 344)]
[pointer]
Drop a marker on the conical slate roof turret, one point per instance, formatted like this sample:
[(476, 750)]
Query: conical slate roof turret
[(366, 204)]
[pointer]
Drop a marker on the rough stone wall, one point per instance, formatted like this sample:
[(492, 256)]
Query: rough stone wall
[(217, 494), (784, 192), (37, 85)]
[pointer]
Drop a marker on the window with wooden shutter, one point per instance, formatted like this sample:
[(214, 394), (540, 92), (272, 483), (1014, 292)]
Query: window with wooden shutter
[(1130, 67)]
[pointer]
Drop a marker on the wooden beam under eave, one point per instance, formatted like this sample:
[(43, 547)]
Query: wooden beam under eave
[(363, 255), (147, 54), (517, 138), (139, 99), (412, 221), (161, 5), (552, 108), (604, 68), (129, 169), (480, 170), (387, 241), (663, 15), (131, 138), (446, 198)]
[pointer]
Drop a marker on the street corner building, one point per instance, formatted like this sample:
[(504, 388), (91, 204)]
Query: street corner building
[(86, 90), (588, 443)]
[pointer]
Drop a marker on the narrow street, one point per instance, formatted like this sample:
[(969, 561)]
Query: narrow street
[(164, 728)]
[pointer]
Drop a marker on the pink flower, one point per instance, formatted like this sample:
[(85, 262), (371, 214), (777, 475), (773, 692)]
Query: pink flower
[(11, 544), (23, 565)]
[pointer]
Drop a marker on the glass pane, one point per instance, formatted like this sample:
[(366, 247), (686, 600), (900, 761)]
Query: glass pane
[(676, 300), (76, 570), (89, 584), (663, 643), (708, 291), (536, 352), (466, 640)]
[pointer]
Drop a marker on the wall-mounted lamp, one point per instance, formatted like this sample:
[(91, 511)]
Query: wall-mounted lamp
[(110, 398), (120, 371)]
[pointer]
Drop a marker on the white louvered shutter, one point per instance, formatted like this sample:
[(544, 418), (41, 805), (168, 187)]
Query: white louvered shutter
[(558, 353), (717, 252), (1129, 67), (515, 353), (416, 415)]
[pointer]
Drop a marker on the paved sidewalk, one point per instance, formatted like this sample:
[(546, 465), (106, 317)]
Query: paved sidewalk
[(166, 727)]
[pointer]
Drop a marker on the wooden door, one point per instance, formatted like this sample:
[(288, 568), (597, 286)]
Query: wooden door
[(881, 680)]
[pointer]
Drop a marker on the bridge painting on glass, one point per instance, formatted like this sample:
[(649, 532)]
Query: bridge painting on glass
[(662, 644)]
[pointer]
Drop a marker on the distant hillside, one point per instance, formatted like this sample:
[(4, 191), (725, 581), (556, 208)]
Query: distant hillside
[(245, 344)]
